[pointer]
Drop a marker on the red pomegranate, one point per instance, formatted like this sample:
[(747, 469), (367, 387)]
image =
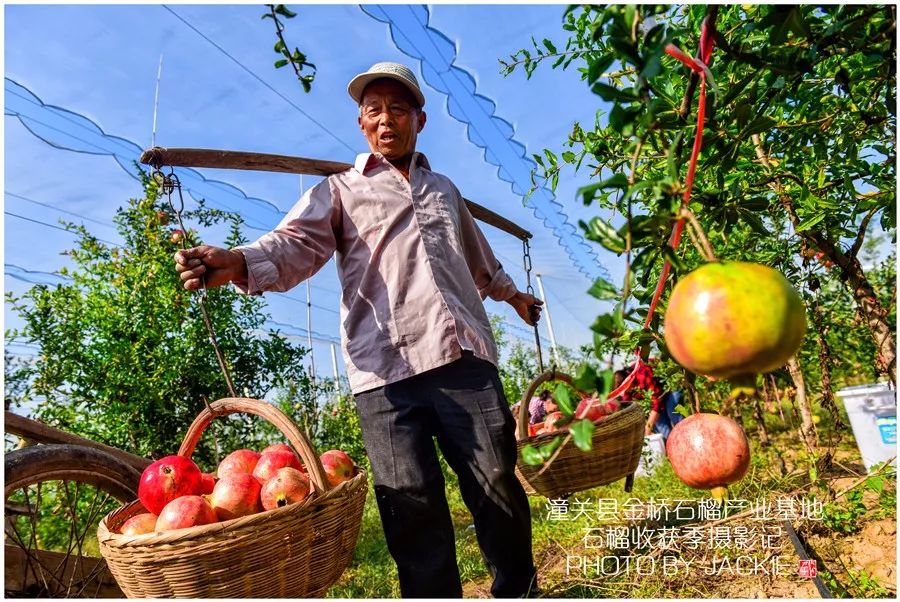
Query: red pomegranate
[(235, 495), (338, 466), (550, 421), (240, 460), (207, 483), (708, 451), (732, 319), (270, 462), (613, 406), (278, 446), (591, 408), (186, 511), (167, 479), (288, 486), (139, 524)]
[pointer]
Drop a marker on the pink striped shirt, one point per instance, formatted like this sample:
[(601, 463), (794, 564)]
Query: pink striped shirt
[(414, 267)]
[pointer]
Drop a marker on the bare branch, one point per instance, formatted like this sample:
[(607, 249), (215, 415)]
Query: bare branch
[(863, 226)]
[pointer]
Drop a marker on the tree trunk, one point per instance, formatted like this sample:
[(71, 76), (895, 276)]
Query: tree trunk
[(807, 427), (760, 421), (852, 274), (778, 401)]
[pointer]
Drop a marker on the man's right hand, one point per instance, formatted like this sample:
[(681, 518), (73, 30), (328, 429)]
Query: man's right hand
[(218, 266)]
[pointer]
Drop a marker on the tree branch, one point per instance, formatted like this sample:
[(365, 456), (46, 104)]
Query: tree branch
[(863, 226)]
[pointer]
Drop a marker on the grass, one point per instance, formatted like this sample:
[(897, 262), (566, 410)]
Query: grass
[(776, 470)]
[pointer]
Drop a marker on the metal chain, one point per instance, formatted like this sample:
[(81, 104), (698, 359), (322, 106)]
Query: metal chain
[(526, 258), (169, 183)]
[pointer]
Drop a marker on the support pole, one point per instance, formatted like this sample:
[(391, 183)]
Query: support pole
[(312, 356), (549, 320), (337, 377)]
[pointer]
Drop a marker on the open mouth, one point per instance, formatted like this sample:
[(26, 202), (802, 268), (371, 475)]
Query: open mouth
[(388, 137)]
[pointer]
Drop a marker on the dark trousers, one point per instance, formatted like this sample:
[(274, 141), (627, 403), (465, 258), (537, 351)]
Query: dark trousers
[(463, 407)]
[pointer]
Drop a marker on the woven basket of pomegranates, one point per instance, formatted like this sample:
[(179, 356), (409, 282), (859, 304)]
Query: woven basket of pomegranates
[(296, 550), (617, 440)]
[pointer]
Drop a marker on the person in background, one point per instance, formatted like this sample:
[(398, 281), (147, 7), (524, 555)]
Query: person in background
[(663, 415), (538, 407)]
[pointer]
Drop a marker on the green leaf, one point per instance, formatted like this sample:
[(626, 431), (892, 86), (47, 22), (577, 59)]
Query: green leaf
[(675, 259), (597, 67), (603, 290), (280, 63), (548, 448), (585, 378), (282, 10), (611, 93), (563, 400), (582, 432), (738, 87), (683, 409), (549, 46), (603, 233), (531, 456), (876, 484), (810, 222), (604, 325), (758, 125), (279, 46)]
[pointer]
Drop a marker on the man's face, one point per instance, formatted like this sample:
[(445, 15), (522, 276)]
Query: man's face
[(389, 118)]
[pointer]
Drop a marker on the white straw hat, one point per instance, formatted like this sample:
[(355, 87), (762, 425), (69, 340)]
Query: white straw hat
[(396, 71)]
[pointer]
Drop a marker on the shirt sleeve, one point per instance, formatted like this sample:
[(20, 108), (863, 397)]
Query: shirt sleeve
[(298, 247), (490, 278)]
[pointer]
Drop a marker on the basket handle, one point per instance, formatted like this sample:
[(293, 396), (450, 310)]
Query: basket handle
[(522, 423), (235, 405)]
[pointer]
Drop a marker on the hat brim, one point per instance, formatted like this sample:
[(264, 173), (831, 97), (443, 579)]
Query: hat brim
[(358, 84)]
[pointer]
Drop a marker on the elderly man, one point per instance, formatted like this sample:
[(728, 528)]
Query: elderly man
[(421, 359)]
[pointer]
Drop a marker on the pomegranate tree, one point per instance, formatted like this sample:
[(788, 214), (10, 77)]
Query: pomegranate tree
[(709, 451), (732, 319)]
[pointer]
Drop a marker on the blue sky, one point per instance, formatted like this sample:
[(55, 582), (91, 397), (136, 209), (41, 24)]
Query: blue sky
[(101, 62)]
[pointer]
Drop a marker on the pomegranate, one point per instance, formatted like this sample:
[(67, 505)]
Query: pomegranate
[(591, 408), (240, 460), (235, 495), (338, 466), (167, 479), (613, 406), (278, 446), (709, 451), (186, 511), (732, 319), (207, 483), (288, 486), (270, 462), (139, 524), (551, 420)]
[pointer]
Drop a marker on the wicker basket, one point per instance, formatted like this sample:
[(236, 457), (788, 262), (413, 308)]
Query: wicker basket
[(617, 443), (296, 551)]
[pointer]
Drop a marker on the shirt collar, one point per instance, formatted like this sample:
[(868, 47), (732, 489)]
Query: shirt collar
[(365, 161)]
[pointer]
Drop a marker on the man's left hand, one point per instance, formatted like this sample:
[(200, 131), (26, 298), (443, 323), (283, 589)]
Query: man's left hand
[(527, 306)]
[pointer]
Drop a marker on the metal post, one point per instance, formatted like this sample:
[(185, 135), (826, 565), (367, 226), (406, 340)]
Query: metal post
[(337, 377), (312, 356), (549, 320)]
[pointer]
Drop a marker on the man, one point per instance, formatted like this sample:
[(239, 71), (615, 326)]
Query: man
[(414, 269)]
